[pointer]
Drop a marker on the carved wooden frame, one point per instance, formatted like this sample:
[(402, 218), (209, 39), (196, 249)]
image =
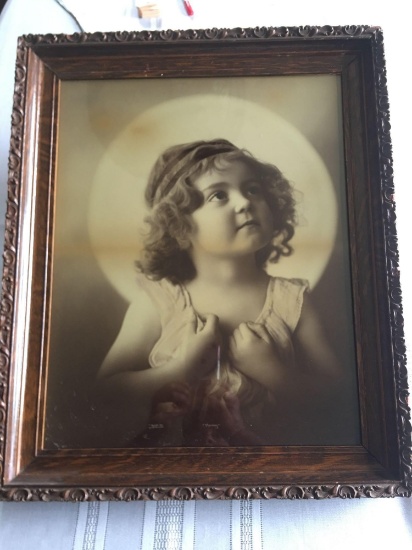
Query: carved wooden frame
[(381, 466)]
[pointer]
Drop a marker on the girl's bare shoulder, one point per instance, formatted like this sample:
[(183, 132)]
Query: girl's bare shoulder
[(142, 314)]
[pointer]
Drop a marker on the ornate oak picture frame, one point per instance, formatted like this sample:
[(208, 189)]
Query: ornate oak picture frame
[(271, 154)]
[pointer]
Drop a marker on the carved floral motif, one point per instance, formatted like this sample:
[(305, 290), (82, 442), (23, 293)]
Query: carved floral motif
[(206, 493), (392, 259), (10, 238), (204, 34)]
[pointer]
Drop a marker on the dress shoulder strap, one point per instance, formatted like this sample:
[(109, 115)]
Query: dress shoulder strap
[(286, 299), (169, 299)]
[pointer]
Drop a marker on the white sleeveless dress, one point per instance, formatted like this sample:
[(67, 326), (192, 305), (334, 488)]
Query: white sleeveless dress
[(280, 315)]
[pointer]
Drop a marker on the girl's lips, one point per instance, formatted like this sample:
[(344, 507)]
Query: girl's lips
[(248, 223)]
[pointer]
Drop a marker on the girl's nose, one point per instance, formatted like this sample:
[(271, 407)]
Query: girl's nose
[(242, 204)]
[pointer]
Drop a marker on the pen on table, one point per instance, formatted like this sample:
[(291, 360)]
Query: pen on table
[(188, 8)]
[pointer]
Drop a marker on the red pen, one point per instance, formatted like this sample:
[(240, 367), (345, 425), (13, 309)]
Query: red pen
[(188, 8)]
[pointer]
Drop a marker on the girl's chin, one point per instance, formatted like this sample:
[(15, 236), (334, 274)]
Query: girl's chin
[(248, 247)]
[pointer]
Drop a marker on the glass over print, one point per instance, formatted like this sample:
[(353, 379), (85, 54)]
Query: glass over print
[(246, 342)]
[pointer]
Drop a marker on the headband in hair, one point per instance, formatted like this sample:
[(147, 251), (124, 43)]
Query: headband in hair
[(185, 161)]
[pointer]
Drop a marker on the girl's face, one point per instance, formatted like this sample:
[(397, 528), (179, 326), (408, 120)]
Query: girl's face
[(234, 218)]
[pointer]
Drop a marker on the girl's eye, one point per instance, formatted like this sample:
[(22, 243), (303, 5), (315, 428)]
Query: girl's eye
[(254, 189), (218, 196)]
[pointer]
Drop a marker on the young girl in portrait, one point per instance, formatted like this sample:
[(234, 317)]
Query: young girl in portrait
[(214, 351)]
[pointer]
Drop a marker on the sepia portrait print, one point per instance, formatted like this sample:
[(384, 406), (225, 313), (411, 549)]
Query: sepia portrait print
[(201, 291)]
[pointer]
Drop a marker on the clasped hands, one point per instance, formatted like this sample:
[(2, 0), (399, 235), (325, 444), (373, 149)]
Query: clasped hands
[(249, 349)]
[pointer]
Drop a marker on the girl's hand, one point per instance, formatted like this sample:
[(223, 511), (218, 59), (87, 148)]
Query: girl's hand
[(253, 352), (198, 351)]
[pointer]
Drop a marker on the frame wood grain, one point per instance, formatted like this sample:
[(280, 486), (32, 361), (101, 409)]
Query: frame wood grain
[(381, 465)]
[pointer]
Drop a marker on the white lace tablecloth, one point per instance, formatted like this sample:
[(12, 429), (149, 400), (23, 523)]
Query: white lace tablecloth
[(235, 525)]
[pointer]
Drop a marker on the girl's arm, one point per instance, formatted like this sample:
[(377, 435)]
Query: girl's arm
[(128, 360), (139, 332), (314, 396), (123, 396), (254, 353), (313, 399), (313, 352), (316, 367), (126, 384)]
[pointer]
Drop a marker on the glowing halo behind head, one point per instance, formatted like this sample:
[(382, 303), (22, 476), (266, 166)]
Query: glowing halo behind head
[(117, 208)]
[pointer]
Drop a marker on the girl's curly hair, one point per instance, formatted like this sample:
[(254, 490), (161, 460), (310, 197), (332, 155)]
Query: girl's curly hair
[(172, 196)]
